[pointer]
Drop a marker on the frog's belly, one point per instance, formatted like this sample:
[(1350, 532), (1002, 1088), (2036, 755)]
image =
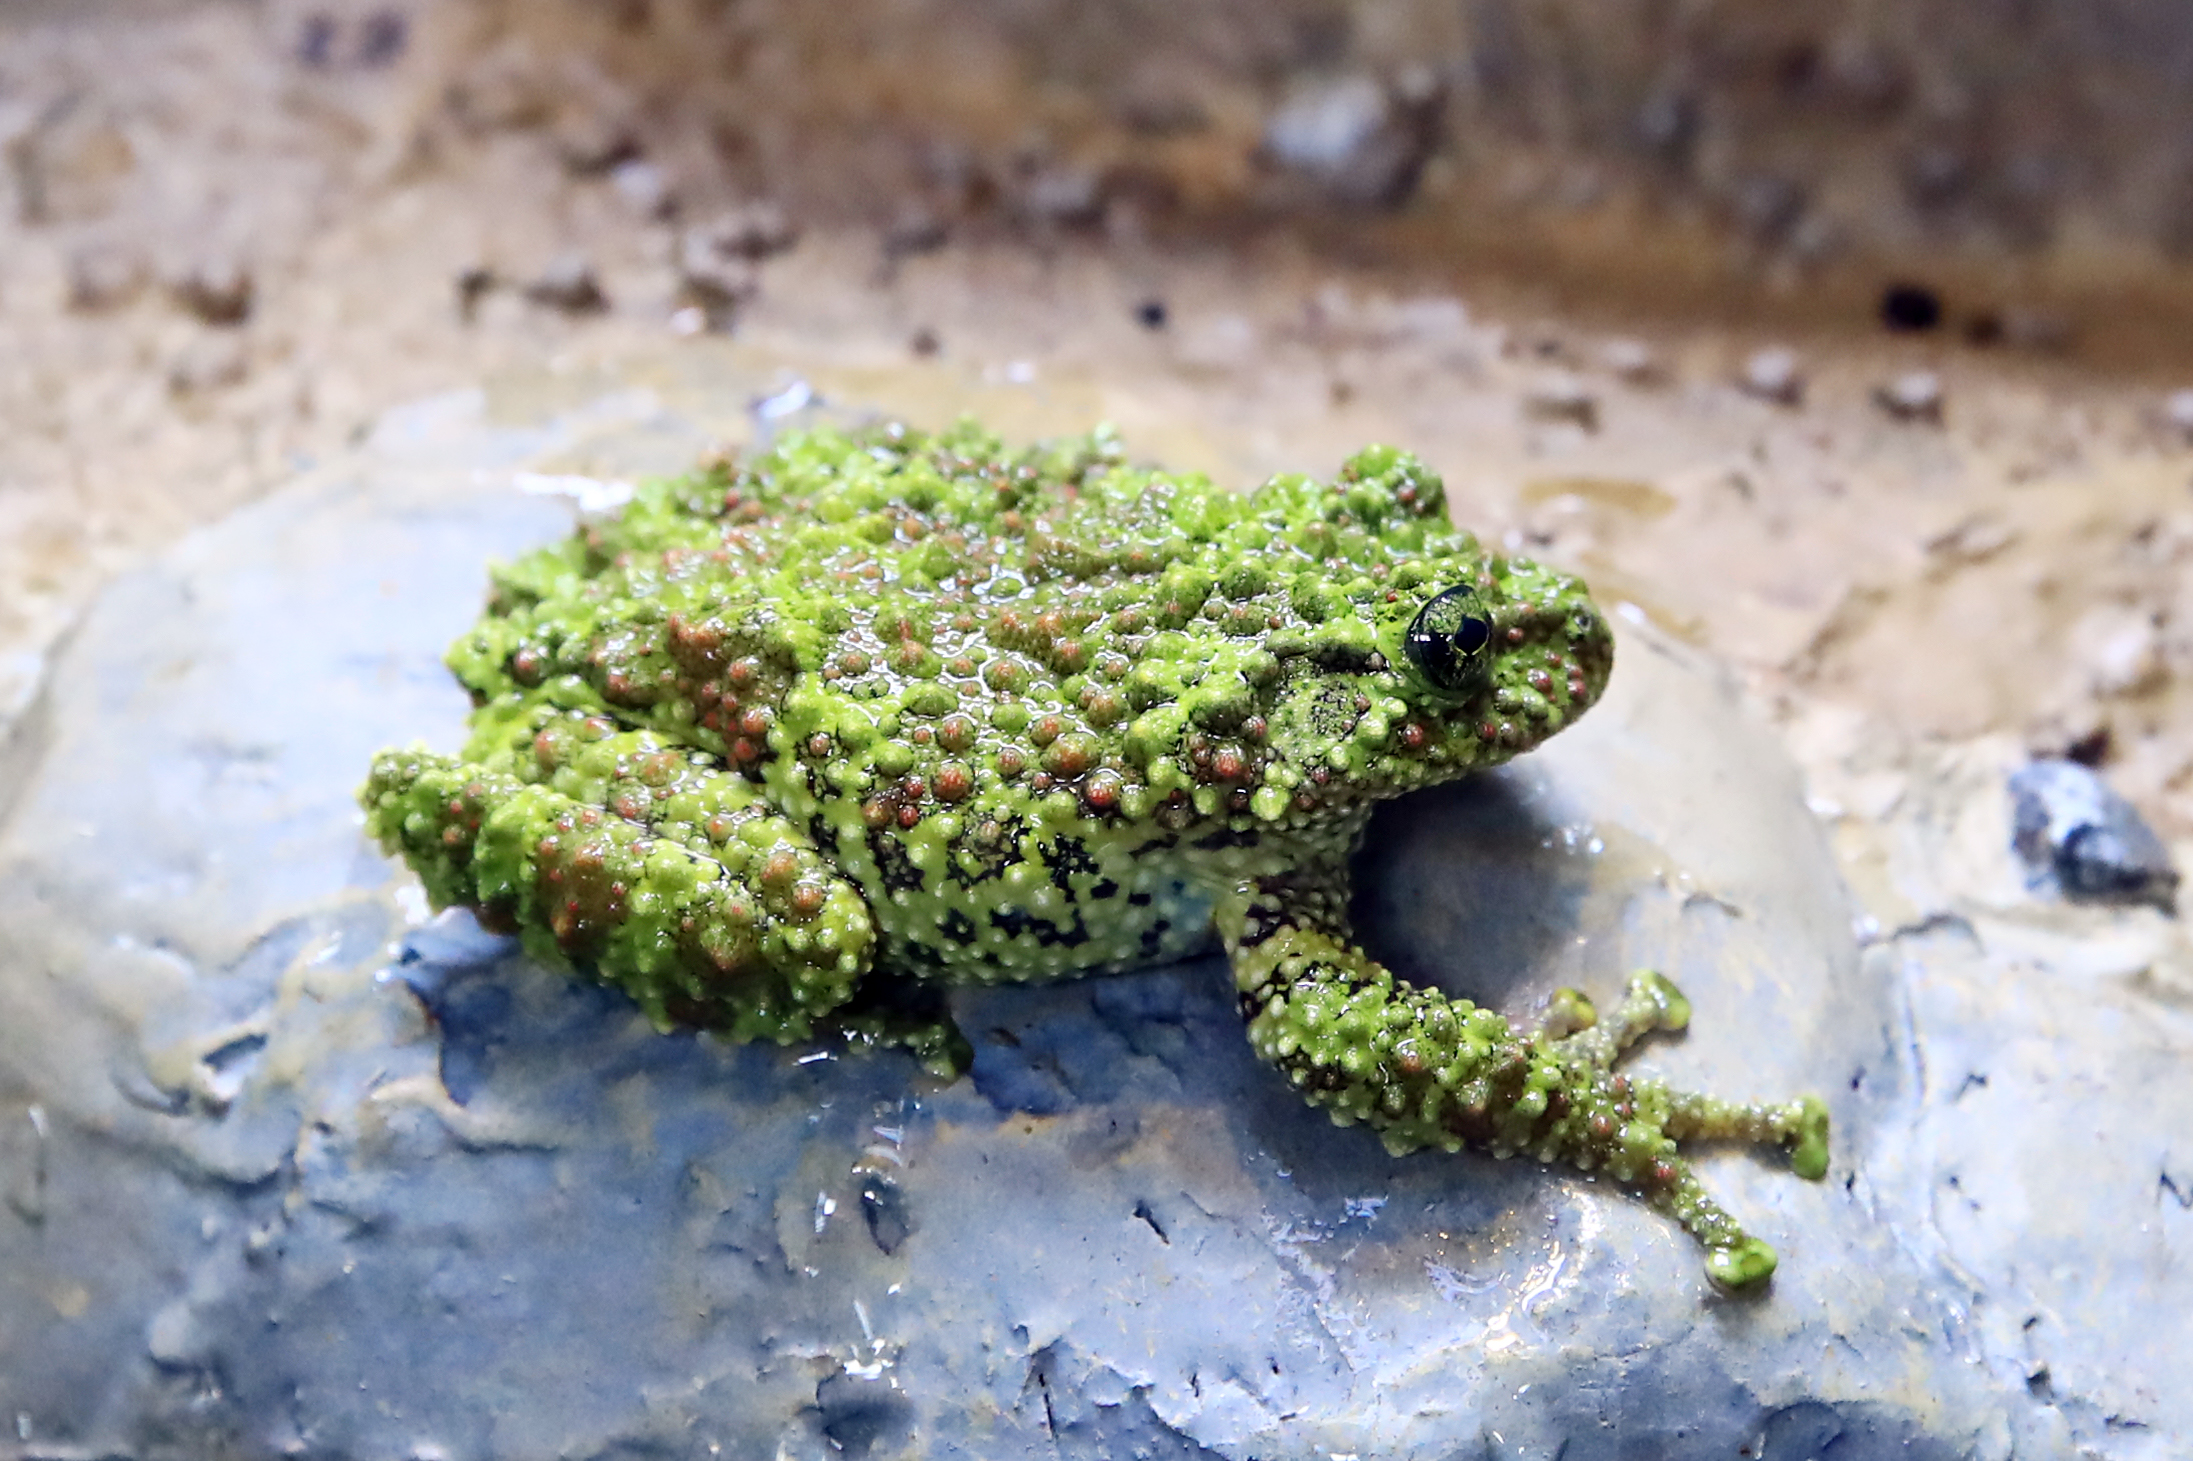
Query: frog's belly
[(1053, 905)]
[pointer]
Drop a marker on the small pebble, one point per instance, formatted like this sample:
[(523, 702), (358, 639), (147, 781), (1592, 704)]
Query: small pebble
[(1061, 197), (569, 284), (916, 230), (473, 283), (217, 291), (103, 278), (1632, 361), (2082, 841), (750, 231), (1562, 397), (715, 282), (316, 41), (208, 363), (382, 39), (1773, 375), (1913, 396), (594, 142), (1362, 141), (644, 187)]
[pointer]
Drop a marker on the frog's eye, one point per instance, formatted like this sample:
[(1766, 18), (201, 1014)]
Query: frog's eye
[(1450, 640)]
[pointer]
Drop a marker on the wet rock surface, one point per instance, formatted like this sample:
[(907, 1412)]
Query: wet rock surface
[(290, 1168)]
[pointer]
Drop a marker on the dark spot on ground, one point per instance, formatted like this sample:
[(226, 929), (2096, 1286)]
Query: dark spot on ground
[(1909, 308)]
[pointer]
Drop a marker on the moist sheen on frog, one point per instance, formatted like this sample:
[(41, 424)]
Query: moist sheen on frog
[(787, 745)]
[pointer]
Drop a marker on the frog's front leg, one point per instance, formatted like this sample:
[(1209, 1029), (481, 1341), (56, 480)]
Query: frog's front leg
[(1425, 1070), (670, 879)]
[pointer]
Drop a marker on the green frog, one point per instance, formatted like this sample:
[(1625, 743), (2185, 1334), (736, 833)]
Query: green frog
[(786, 746)]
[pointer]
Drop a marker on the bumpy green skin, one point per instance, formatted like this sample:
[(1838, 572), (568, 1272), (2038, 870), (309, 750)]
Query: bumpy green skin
[(786, 745)]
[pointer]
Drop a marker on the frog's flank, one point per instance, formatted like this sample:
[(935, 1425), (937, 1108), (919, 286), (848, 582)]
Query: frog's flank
[(789, 745)]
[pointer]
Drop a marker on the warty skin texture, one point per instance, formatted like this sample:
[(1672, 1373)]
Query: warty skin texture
[(785, 746)]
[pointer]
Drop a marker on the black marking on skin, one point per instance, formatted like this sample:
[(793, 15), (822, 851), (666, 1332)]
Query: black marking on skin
[(893, 866), (956, 926), (1165, 843), (1344, 659), (991, 861), (1047, 934), (1139, 900), (1105, 889), (1226, 837), (1331, 711), (1153, 937), (1066, 856)]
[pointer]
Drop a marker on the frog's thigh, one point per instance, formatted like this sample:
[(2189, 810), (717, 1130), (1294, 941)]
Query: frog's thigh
[(707, 908)]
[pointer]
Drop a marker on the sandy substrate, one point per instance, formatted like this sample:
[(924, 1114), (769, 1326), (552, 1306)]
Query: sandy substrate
[(240, 233)]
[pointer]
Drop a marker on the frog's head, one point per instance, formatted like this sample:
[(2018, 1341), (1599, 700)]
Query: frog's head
[(1426, 656)]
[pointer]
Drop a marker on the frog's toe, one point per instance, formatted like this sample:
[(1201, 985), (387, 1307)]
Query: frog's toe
[(1743, 1264), (1808, 1155), (1569, 1011), (1671, 1008)]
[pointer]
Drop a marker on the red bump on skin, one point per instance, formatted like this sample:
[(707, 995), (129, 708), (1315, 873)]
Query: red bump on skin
[(1102, 792), (954, 782)]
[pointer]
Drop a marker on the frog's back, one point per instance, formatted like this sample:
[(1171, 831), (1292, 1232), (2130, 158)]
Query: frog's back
[(1029, 703)]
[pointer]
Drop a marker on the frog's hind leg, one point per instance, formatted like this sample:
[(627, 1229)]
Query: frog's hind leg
[(1427, 1070), (644, 864)]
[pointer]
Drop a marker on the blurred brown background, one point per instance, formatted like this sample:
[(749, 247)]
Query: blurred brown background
[(1840, 338)]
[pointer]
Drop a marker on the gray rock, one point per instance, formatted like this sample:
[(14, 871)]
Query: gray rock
[(2045, 1144), (291, 1169), (2080, 840)]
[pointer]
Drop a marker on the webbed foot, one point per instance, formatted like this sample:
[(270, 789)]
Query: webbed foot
[(1808, 1154)]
